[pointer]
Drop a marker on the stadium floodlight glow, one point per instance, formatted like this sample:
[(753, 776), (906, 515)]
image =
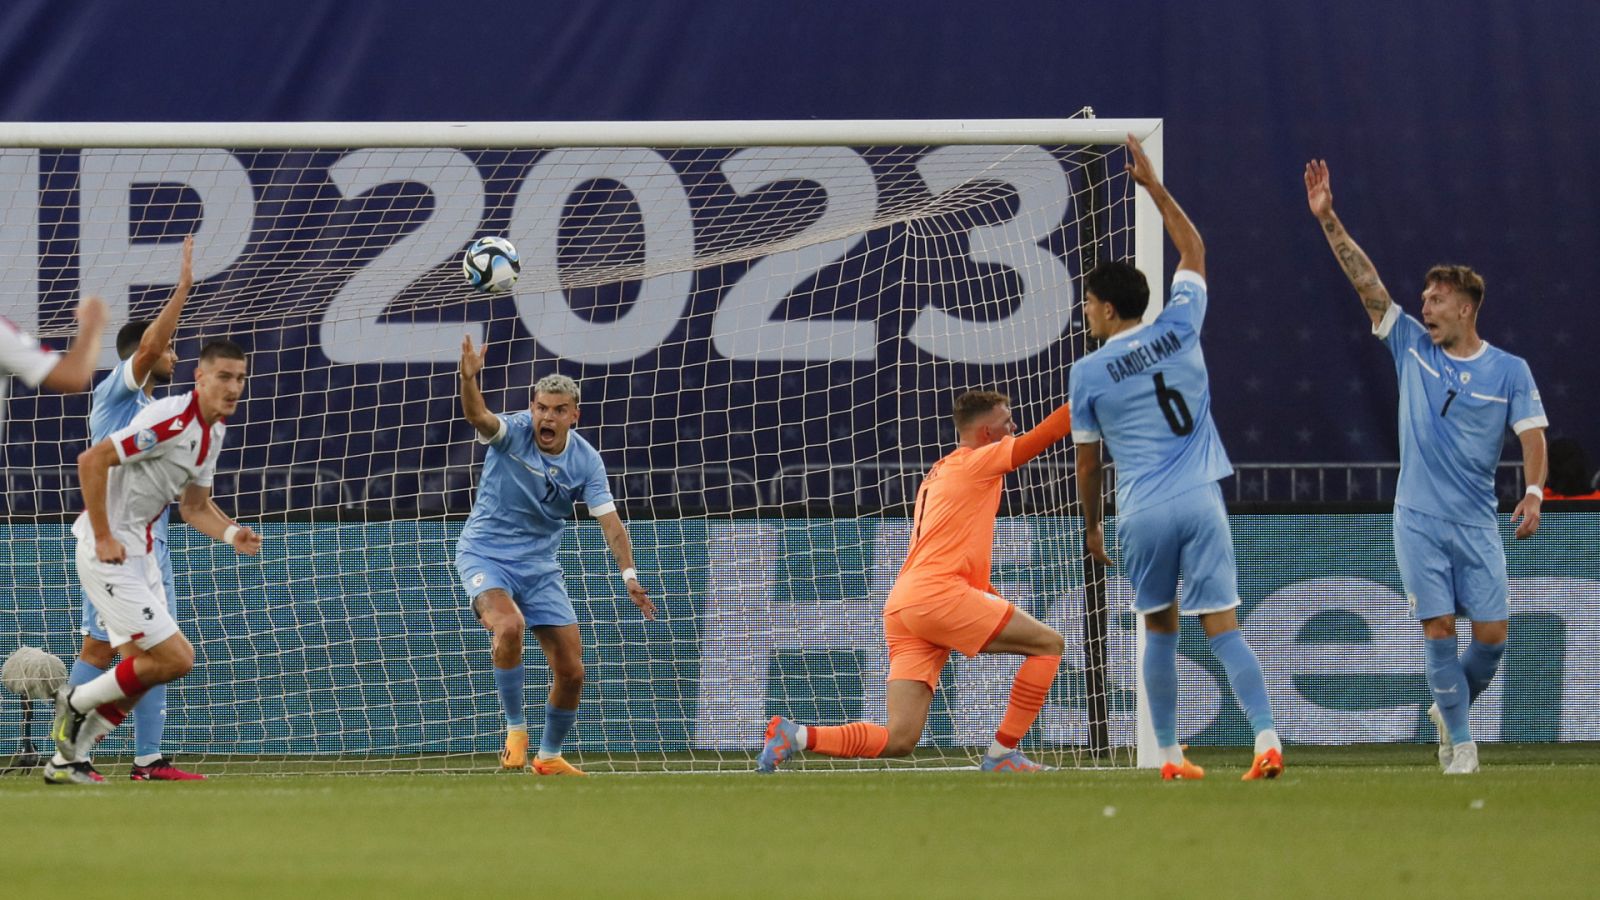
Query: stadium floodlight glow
[(767, 319)]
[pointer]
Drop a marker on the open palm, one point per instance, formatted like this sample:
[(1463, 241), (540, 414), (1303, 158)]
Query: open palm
[(1319, 188)]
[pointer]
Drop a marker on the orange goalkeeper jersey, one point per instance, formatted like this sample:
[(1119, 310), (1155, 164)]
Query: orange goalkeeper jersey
[(952, 533)]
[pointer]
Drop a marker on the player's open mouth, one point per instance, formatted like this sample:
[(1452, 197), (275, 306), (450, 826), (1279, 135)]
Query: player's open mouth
[(547, 434)]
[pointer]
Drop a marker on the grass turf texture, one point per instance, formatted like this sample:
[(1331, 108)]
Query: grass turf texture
[(1373, 821)]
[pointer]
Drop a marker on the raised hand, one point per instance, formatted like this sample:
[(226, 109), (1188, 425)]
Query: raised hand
[(1319, 189), (1139, 165), (471, 360), (186, 272), (91, 315)]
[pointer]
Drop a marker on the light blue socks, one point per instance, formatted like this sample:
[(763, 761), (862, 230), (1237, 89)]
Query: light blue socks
[(1244, 676), (557, 722), (1449, 684), (1160, 665), (509, 683)]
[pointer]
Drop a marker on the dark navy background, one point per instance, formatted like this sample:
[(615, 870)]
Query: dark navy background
[(1457, 131)]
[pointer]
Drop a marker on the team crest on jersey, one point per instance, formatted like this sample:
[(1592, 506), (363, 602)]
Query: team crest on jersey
[(552, 471), (145, 439), (1466, 377), (477, 580)]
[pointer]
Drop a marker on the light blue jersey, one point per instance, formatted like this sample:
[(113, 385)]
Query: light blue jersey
[(1147, 395), (113, 404), (525, 496), (1453, 418)]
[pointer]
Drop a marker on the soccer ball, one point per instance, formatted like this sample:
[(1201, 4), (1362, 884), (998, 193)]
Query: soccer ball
[(491, 265)]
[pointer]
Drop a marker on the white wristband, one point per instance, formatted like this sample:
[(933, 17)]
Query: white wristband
[(228, 533), (629, 575), (1535, 491)]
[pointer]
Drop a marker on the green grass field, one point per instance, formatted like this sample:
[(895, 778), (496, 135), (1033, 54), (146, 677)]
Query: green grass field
[(1367, 822)]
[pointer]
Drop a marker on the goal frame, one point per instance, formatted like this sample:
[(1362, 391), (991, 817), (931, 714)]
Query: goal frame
[(1148, 239)]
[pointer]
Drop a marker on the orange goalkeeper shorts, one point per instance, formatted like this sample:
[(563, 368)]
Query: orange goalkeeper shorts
[(922, 634)]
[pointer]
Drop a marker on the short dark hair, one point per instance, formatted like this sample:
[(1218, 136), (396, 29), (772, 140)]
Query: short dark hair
[(1121, 285), (129, 336), (1461, 278), (221, 348), (973, 404)]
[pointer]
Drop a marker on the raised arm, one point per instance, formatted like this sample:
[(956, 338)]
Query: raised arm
[(622, 550), (76, 367), (1089, 472), (1191, 250), (1534, 470), (159, 335), (1357, 267), (1040, 437), (472, 405)]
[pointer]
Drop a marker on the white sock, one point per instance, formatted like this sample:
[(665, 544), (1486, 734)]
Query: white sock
[(800, 737), (1173, 754), (101, 689), (147, 760), (1268, 740), (997, 750), (94, 728)]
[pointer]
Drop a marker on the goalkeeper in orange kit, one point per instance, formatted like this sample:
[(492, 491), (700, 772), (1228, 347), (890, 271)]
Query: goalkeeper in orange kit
[(942, 600)]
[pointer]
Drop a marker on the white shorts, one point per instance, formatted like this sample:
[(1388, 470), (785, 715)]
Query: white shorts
[(129, 598)]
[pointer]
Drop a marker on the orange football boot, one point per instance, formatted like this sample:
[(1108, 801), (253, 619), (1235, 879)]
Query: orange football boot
[(1267, 764), (515, 754), (555, 765)]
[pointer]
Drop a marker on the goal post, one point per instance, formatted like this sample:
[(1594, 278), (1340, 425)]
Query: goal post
[(768, 322)]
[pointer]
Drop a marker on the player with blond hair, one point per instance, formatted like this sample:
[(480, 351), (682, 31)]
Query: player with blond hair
[(1458, 397), (943, 600), (537, 467)]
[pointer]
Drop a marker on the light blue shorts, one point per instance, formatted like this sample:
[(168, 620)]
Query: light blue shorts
[(540, 593), (1187, 534), (1450, 569), (93, 627)]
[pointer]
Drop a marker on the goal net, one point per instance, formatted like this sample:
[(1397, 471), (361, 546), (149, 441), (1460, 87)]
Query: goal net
[(768, 322)]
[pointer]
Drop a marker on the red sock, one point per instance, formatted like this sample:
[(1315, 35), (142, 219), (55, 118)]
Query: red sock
[(858, 739), (1028, 691), (127, 680), (111, 713)]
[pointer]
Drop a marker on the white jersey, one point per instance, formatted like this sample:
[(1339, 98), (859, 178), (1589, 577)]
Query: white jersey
[(166, 448), (21, 355)]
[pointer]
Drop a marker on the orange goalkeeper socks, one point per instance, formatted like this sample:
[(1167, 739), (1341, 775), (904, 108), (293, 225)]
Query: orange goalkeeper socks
[(858, 739), (1028, 691)]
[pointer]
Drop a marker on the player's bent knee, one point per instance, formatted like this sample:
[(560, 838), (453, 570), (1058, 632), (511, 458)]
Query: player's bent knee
[(1054, 644), (569, 673), (899, 745)]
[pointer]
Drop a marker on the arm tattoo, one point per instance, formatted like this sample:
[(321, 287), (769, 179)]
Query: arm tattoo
[(1351, 260), (1362, 276), (1330, 226)]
